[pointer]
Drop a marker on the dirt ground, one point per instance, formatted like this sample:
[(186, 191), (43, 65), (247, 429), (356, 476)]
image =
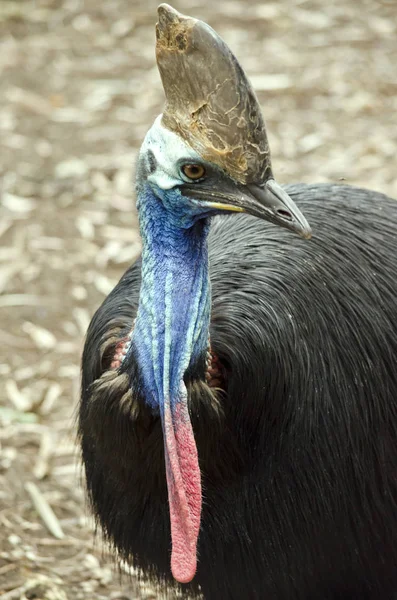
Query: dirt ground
[(78, 89)]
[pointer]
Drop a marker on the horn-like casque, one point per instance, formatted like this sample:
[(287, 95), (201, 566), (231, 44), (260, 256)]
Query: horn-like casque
[(209, 100)]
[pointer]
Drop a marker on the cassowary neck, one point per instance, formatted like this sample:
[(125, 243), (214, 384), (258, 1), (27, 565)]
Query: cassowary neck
[(172, 323), (171, 331)]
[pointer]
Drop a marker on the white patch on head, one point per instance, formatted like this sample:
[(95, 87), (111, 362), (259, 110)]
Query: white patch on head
[(168, 149)]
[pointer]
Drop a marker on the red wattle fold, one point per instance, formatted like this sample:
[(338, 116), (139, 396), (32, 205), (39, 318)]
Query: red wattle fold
[(184, 489)]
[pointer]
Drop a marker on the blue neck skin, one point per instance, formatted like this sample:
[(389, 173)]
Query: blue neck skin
[(170, 332), (172, 324)]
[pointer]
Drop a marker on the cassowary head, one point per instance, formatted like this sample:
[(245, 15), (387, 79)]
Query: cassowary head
[(206, 154)]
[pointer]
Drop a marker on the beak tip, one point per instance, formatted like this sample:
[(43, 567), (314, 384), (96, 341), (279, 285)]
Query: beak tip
[(304, 230)]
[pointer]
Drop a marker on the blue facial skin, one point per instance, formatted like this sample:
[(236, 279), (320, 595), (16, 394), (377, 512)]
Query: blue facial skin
[(172, 324)]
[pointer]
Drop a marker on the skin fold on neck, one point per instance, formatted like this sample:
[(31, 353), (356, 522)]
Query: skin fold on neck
[(171, 332)]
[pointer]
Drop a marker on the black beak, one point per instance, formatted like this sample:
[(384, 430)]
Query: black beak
[(271, 203), (267, 201)]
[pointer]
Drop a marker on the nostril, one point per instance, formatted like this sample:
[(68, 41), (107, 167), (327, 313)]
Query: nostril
[(285, 214)]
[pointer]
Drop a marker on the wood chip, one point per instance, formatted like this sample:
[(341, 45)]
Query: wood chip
[(128, 254), (44, 510), (24, 373), (42, 338), (69, 371), (19, 399), (270, 83), (4, 226), (8, 253), (65, 471), (74, 167), (15, 594), (117, 233), (52, 395), (42, 466), (82, 318), (21, 300), (103, 284), (85, 227), (18, 204), (29, 100), (7, 569), (46, 243), (7, 272), (110, 250), (79, 293)]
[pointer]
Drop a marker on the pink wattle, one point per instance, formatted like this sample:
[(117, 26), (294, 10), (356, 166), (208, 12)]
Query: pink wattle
[(184, 490)]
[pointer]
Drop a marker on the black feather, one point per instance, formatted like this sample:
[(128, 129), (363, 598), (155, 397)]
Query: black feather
[(299, 453)]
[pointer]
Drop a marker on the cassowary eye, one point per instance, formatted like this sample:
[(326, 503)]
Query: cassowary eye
[(193, 171)]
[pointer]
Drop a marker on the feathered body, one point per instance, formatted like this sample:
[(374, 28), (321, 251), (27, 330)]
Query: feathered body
[(298, 452)]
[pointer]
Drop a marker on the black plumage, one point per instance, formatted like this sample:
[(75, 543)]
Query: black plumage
[(298, 453)]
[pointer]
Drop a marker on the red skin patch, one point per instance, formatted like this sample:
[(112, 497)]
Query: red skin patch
[(184, 490), (214, 375), (119, 352)]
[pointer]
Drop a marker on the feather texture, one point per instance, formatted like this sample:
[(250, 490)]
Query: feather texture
[(298, 453)]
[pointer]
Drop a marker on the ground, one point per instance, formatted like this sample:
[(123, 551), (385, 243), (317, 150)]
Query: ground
[(78, 90)]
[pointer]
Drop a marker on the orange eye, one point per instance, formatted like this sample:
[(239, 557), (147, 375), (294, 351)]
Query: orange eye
[(193, 171)]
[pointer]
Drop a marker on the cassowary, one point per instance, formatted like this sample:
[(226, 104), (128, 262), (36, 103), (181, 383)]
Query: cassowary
[(239, 392)]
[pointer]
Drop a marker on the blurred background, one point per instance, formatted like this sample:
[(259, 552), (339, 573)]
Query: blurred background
[(78, 90)]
